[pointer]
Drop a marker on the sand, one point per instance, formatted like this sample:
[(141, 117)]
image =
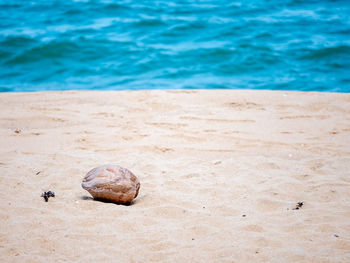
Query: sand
[(220, 172)]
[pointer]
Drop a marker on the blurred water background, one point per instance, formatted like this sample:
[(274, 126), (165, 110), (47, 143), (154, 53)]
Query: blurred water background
[(176, 44)]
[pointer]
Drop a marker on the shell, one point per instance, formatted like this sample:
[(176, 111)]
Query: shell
[(112, 183)]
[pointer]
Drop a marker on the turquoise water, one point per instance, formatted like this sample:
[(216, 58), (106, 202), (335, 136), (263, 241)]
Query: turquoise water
[(113, 45)]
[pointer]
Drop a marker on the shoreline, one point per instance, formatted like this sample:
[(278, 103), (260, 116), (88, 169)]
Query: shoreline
[(172, 90), (220, 172)]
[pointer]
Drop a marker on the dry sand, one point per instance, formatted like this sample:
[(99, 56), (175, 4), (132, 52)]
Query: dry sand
[(220, 172)]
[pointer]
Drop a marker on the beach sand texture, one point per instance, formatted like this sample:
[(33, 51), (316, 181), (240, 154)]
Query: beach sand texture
[(220, 172)]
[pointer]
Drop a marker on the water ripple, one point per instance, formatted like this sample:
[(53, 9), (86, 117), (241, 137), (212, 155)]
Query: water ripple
[(95, 44)]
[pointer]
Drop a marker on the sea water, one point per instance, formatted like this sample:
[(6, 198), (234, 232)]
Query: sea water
[(178, 44)]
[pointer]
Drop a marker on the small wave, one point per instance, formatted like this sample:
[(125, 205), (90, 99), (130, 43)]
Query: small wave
[(9, 5), (337, 51), (204, 6), (179, 29), (119, 37), (114, 7), (189, 46), (93, 9), (149, 22), (264, 19), (221, 20), (22, 31), (172, 18), (290, 13), (95, 25), (51, 50), (15, 41)]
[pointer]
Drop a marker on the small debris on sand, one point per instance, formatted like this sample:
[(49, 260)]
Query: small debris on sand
[(299, 205), (48, 194), (38, 173), (17, 131), (336, 235)]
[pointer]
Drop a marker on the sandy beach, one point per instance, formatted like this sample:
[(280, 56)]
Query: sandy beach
[(220, 172)]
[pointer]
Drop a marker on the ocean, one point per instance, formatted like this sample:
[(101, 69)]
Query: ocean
[(130, 45)]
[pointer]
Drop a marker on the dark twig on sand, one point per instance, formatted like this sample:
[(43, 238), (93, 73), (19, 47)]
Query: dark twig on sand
[(48, 194)]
